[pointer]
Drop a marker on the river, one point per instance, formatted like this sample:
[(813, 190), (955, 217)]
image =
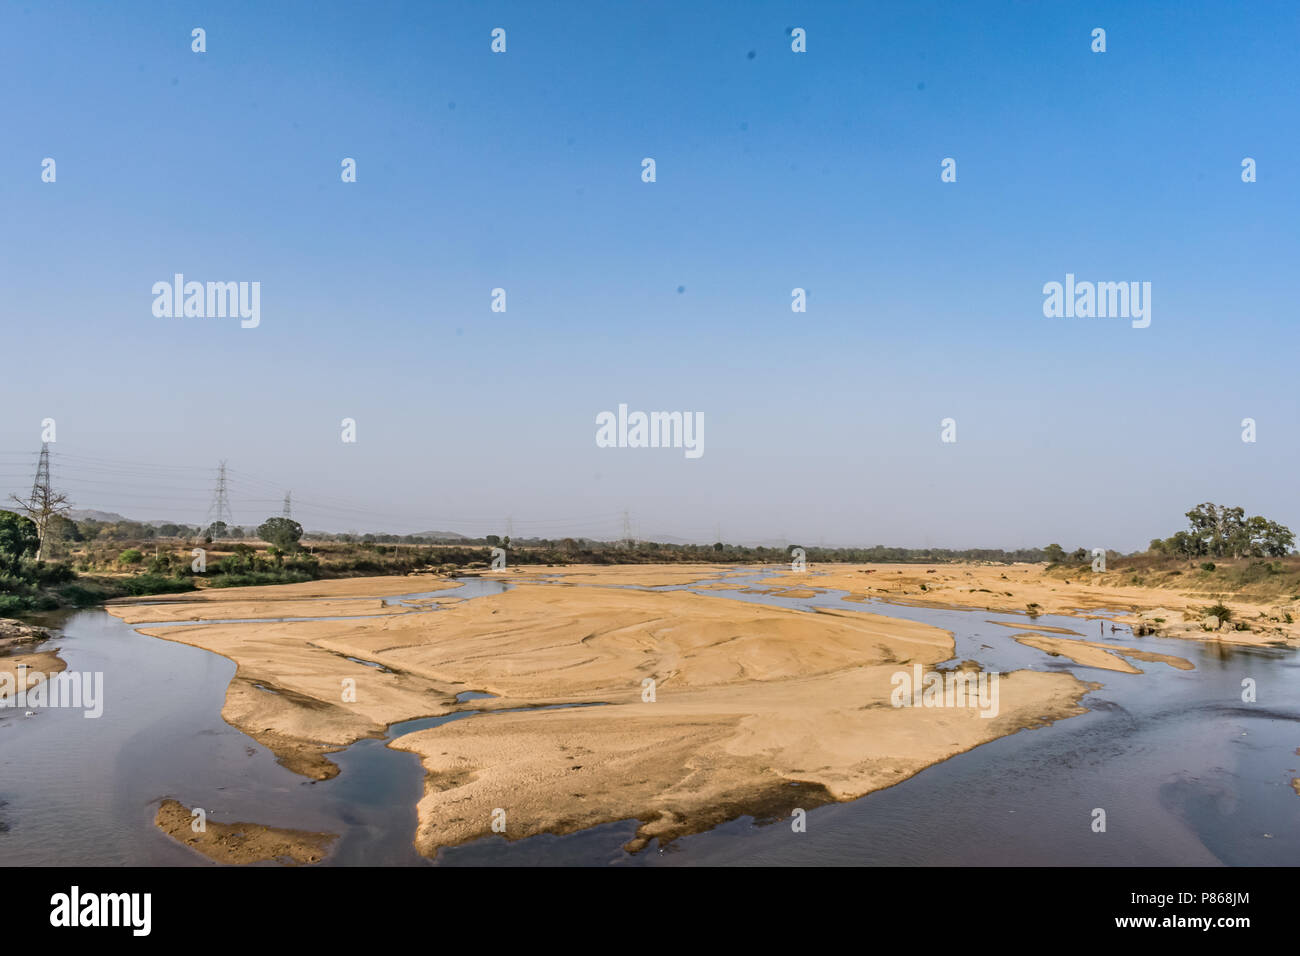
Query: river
[(1187, 773)]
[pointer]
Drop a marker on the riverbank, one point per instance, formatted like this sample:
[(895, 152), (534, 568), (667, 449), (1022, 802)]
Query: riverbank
[(1031, 590)]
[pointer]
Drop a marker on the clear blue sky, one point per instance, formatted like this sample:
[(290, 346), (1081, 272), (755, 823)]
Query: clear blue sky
[(775, 170)]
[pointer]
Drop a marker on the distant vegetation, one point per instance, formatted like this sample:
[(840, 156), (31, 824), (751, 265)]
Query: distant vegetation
[(1253, 559), (1218, 531), (89, 561)]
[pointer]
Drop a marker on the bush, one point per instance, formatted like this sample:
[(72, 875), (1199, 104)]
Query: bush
[(79, 596), (130, 556), (149, 583), (1219, 611), (51, 574), (1207, 566), (250, 578)]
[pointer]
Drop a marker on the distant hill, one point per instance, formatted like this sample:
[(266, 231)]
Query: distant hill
[(89, 514), (441, 536)]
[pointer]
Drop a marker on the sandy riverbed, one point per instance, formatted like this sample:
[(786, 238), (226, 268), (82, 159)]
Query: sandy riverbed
[(1025, 589), (755, 709)]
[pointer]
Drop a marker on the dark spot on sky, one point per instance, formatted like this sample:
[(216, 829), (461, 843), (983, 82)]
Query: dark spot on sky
[(681, 289), (460, 331), (571, 141), (175, 81), (751, 54), (744, 126), (451, 105), (920, 86)]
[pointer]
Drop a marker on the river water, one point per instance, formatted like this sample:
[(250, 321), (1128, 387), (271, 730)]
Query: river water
[(1186, 772)]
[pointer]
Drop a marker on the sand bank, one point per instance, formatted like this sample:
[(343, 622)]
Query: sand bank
[(712, 708), (242, 842), (1025, 589), (1105, 656), (38, 665)]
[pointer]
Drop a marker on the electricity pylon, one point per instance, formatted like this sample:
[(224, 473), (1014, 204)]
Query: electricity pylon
[(44, 503)]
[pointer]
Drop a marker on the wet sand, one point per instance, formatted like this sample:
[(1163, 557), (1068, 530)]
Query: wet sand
[(1105, 656), (238, 843)]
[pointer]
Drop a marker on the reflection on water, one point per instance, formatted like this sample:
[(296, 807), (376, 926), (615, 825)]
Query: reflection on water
[(1187, 773)]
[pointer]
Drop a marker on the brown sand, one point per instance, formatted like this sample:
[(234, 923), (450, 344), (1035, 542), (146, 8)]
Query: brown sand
[(1165, 612), (242, 842), (1106, 656), (699, 756), (251, 608), (38, 665), (630, 575), (749, 701), (1036, 627)]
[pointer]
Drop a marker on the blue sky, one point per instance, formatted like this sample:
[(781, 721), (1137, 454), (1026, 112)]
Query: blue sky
[(777, 170)]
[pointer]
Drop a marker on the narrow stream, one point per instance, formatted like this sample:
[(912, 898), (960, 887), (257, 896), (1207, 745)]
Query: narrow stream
[(1187, 773)]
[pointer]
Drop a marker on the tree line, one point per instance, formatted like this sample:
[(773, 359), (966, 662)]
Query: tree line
[(1220, 531)]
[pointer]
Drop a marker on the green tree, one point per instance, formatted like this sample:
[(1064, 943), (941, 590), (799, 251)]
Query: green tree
[(61, 528), (1055, 553), (1277, 540), (284, 533), (18, 538)]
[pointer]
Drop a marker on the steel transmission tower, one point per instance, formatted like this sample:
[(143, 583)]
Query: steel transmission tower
[(44, 503), (219, 510), (288, 505)]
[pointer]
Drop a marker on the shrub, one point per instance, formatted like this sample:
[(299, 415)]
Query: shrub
[(1207, 566), (130, 556), (249, 578), (149, 583), (1219, 611), (80, 596)]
